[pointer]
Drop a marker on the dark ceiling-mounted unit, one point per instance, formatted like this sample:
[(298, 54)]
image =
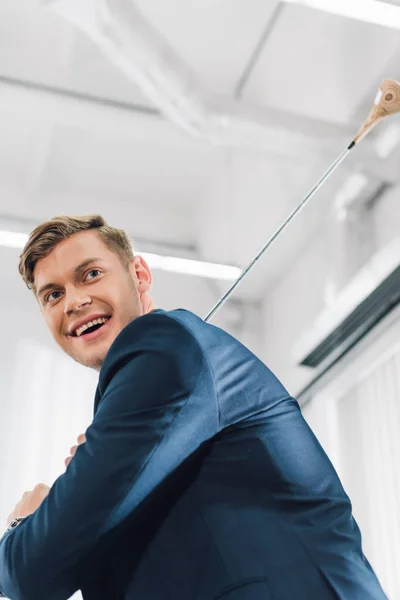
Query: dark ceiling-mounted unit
[(369, 297)]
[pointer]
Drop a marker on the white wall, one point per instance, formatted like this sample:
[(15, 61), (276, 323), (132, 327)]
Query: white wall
[(291, 308), (288, 309)]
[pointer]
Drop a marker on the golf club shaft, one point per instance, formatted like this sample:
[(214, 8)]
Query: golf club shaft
[(280, 229)]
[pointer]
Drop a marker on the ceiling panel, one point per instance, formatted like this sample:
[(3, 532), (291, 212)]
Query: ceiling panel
[(143, 166), (321, 65), (250, 200), (38, 46), (214, 38), (148, 172)]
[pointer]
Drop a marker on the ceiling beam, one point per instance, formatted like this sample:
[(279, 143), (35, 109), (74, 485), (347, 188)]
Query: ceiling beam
[(284, 135), (135, 46)]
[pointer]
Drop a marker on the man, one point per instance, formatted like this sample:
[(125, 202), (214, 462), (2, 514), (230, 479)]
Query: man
[(198, 478)]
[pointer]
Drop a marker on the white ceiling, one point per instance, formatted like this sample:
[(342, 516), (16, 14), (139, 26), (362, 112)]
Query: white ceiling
[(320, 65), (78, 136), (214, 38)]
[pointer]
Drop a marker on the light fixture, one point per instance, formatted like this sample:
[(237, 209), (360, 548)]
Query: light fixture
[(12, 239), (371, 11), (173, 264), (191, 267)]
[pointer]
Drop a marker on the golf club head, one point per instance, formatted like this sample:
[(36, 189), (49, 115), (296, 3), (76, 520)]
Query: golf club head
[(387, 102)]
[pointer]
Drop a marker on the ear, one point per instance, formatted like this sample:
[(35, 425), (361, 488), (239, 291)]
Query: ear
[(140, 270)]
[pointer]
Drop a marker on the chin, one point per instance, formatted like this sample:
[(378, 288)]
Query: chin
[(98, 358), (91, 360), (94, 354), (93, 363)]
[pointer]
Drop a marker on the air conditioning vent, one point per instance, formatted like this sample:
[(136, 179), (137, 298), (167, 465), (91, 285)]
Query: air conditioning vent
[(371, 295)]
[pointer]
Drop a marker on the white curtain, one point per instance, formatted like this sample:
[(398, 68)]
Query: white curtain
[(47, 402), (356, 417), (369, 424)]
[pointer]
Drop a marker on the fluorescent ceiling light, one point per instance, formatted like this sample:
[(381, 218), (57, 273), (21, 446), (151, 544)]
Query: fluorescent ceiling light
[(370, 11), (172, 264), (191, 267), (11, 239)]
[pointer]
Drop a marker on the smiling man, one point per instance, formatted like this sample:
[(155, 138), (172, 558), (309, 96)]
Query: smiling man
[(86, 304), (198, 478)]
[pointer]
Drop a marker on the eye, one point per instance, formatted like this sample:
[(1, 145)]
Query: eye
[(92, 271), (49, 296)]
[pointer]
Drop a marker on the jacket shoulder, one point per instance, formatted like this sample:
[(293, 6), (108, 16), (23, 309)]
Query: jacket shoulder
[(158, 332)]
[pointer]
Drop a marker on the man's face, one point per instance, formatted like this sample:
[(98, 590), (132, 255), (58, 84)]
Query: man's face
[(79, 292)]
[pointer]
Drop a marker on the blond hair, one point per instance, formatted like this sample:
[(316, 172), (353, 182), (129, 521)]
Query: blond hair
[(47, 235)]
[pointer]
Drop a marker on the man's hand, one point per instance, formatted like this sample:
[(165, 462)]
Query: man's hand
[(29, 502), (81, 439)]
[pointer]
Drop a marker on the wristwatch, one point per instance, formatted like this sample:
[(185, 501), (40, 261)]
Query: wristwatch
[(14, 523)]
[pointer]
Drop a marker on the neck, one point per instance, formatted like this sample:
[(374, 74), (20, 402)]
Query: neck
[(148, 305)]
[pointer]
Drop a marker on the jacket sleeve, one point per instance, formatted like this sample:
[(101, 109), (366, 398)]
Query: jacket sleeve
[(157, 406)]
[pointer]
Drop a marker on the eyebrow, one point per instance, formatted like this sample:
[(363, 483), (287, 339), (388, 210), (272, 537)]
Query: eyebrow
[(77, 271)]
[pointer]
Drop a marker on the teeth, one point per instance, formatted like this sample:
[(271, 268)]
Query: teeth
[(83, 328)]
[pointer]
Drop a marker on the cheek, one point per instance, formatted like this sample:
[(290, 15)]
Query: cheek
[(122, 295), (54, 323)]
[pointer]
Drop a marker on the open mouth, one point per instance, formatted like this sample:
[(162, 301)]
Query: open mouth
[(90, 330), (93, 328)]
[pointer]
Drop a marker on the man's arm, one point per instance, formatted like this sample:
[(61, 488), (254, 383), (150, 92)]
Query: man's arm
[(156, 409)]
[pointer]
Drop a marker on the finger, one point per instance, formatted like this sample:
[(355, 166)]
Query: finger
[(42, 487), (81, 438), (67, 461), (73, 450)]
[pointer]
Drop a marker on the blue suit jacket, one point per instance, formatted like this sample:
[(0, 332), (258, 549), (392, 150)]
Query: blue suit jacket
[(199, 480)]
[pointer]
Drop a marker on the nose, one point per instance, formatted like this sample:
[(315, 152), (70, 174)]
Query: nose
[(75, 300)]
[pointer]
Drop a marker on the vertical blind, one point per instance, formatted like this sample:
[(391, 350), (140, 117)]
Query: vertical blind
[(356, 417), (369, 459)]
